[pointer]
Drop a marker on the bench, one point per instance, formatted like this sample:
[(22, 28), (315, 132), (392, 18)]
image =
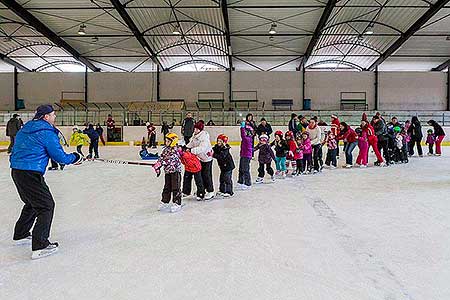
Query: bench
[(353, 105), (282, 103), (354, 101), (210, 100), (210, 104)]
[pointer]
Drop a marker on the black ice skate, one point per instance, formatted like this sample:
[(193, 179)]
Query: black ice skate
[(49, 250)]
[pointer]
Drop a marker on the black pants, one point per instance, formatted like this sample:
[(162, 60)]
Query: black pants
[(110, 135), (383, 146), (430, 148), (331, 157), (152, 140), (11, 143), (172, 186), (79, 149), (411, 146), (261, 170), (244, 171), (299, 166), (307, 160), (187, 139), (39, 206), (93, 146), (317, 156), (226, 182), (187, 183), (207, 176)]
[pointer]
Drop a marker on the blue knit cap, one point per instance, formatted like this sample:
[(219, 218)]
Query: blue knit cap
[(43, 110)]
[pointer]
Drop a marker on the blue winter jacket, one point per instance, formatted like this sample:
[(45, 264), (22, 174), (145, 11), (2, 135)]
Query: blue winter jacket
[(35, 143), (91, 133)]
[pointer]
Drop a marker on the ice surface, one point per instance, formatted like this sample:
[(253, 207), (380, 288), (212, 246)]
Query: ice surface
[(377, 233)]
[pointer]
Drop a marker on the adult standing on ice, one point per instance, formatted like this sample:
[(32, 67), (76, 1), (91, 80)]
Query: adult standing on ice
[(187, 127), (12, 127), (36, 143), (200, 145), (439, 133)]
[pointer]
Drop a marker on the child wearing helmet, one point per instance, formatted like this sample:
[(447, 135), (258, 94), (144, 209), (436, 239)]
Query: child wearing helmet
[(171, 163), (78, 138), (281, 150), (290, 157), (307, 161), (221, 152), (265, 158), (431, 139)]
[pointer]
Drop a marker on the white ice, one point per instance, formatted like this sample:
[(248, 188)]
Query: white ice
[(376, 233)]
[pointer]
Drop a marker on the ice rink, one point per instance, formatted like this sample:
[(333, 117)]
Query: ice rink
[(360, 234)]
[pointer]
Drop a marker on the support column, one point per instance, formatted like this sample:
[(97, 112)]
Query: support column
[(376, 90), (86, 85), (16, 89), (448, 89), (158, 95), (303, 85), (230, 85)]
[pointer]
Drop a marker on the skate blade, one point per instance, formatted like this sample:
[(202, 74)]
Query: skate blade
[(41, 254), (21, 242)]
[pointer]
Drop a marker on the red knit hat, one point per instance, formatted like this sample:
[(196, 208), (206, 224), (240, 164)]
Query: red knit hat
[(200, 125)]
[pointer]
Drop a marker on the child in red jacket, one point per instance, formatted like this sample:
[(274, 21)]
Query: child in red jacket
[(290, 157), (192, 168)]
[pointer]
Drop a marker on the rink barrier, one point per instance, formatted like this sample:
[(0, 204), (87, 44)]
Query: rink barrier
[(138, 143)]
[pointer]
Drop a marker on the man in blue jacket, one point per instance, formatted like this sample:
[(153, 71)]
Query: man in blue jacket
[(35, 144)]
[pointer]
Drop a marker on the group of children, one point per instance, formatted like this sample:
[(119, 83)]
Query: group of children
[(294, 155)]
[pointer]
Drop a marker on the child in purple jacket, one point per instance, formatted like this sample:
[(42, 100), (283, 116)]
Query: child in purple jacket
[(244, 179), (431, 139), (265, 158)]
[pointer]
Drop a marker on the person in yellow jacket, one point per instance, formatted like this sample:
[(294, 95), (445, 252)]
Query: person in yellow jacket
[(78, 138)]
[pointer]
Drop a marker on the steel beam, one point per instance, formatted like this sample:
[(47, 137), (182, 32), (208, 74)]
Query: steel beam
[(224, 6), (14, 63), (433, 10), (16, 89), (120, 8), (315, 38), (377, 99), (442, 66), (448, 90), (47, 32)]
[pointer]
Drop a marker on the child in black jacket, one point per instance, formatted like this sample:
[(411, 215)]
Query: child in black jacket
[(226, 164), (281, 150)]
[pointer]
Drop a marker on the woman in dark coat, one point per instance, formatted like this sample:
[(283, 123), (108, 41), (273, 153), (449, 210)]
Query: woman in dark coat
[(415, 132), (439, 133)]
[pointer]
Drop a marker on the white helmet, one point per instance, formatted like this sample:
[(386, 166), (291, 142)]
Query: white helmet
[(147, 124), (75, 128)]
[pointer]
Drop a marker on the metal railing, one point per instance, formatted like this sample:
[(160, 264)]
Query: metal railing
[(220, 118)]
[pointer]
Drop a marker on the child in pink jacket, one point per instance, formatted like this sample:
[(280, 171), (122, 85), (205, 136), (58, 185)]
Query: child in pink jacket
[(307, 152)]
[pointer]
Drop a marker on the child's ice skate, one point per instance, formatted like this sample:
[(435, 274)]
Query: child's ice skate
[(259, 180), (175, 208), (164, 206)]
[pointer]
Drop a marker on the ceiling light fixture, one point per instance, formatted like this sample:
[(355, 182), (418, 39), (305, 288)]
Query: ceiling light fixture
[(273, 28), (176, 30), (369, 29), (82, 30)]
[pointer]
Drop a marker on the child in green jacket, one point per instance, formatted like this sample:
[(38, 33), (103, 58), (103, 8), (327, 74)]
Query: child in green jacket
[(78, 138)]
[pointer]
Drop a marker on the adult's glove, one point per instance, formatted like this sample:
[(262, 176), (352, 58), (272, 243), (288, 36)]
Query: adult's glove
[(78, 158)]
